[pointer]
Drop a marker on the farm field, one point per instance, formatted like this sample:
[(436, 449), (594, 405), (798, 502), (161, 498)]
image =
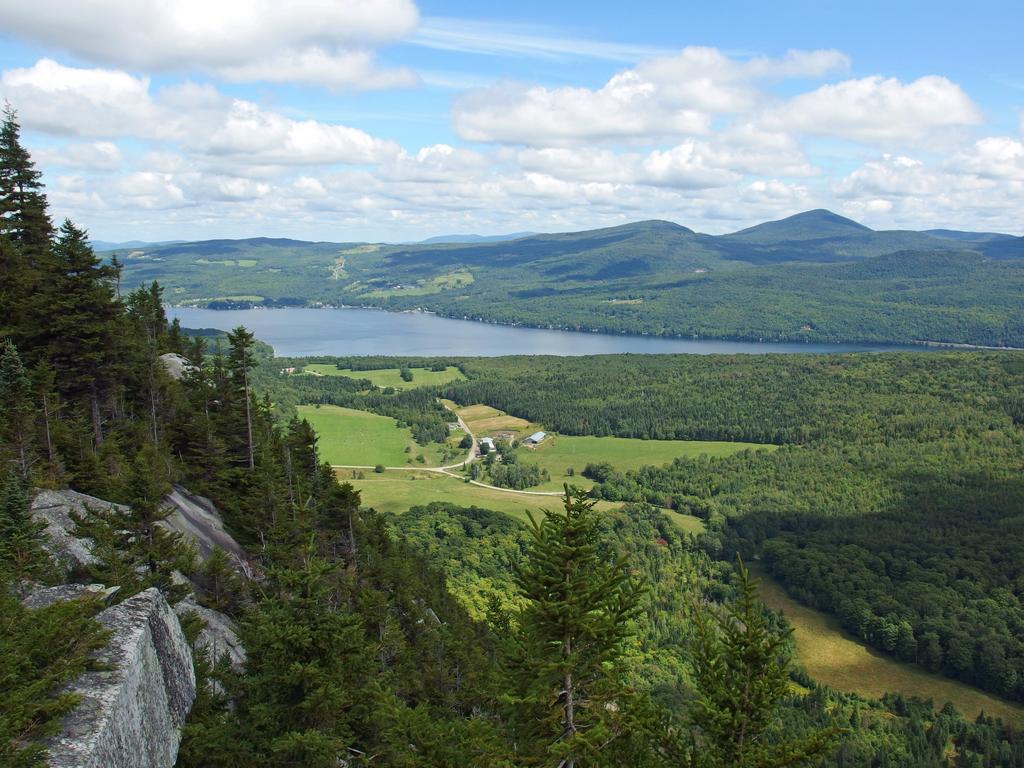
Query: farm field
[(484, 420), (389, 377), (559, 453), (837, 659), (348, 436), (397, 490)]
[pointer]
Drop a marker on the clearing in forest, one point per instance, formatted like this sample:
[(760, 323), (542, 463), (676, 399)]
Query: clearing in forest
[(560, 453), (837, 659), (484, 420), (390, 377), (397, 491), (348, 436)]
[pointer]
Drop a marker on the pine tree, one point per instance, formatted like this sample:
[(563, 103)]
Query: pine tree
[(580, 602), (17, 447), (308, 669), (84, 322), (240, 362), (741, 672), (25, 231), (21, 552), (23, 206)]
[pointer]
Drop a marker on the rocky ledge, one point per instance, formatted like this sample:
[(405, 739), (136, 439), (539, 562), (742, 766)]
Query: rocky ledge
[(133, 708)]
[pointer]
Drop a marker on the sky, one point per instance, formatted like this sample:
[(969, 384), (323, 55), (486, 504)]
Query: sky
[(389, 120)]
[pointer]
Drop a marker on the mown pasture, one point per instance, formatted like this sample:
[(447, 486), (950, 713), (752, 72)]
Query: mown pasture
[(391, 377), (348, 436), (560, 453)]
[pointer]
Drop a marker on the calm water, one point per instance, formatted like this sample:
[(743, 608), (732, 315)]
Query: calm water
[(307, 332)]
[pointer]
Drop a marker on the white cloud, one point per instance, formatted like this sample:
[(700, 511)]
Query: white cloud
[(994, 157), (436, 163), (146, 189), (345, 69), (94, 156), (978, 188), (85, 102), (668, 96), (509, 39), (879, 110), (107, 103), (252, 135), (625, 108), (317, 41), (686, 166)]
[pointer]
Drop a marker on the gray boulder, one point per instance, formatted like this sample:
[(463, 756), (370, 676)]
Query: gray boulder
[(54, 508), (219, 636), (40, 597), (175, 365), (131, 713), (198, 521)]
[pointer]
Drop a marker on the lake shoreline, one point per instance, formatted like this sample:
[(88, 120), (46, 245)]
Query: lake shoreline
[(763, 346)]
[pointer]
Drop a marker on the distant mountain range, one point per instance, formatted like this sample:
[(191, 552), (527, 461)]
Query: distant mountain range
[(103, 245), (474, 238), (815, 276)]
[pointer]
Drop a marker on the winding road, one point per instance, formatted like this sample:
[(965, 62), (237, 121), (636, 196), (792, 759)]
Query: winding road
[(473, 455)]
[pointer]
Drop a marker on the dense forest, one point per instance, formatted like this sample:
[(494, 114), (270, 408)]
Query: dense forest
[(894, 503)]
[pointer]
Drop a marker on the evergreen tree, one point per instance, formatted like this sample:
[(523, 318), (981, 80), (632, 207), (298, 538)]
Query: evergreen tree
[(308, 669), (580, 599), (21, 552), (40, 651), (25, 231), (84, 323), (240, 362), (16, 413), (741, 673), (23, 206)]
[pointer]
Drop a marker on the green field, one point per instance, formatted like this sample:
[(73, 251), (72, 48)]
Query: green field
[(389, 377), (348, 436), (558, 453), (835, 658), (396, 491)]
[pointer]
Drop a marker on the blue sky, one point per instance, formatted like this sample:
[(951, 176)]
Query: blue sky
[(389, 120)]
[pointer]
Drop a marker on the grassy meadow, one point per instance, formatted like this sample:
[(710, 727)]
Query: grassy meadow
[(558, 453), (348, 436), (839, 660), (389, 377), (395, 491)]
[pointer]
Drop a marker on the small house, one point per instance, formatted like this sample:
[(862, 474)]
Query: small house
[(486, 445), (535, 439)]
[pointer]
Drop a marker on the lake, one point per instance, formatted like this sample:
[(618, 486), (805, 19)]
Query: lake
[(300, 332)]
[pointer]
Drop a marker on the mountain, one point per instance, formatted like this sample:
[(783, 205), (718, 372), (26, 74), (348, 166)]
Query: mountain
[(815, 276), (473, 238), (975, 237), (100, 246), (810, 225)]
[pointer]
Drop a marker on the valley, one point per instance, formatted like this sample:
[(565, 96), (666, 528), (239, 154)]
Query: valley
[(814, 277)]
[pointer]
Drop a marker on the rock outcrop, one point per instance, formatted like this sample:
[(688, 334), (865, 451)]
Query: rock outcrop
[(132, 710), (175, 365), (54, 508), (40, 597), (218, 637), (197, 520)]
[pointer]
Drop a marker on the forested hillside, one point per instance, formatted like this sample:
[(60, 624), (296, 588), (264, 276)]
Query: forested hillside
[(812, 277), (895, 503), (359, 649)]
